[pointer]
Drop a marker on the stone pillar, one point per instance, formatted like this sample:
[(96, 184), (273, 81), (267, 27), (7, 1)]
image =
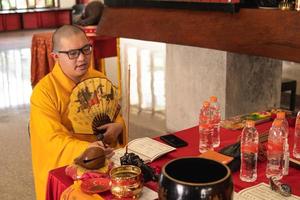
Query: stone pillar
[(291, 70), (253, 83), (242, 83)]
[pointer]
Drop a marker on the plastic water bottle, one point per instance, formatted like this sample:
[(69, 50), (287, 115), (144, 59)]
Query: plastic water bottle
[(216, 119), (296, 149), (205, 128), (249, 151), (286, 152), (275, 150), (286, 159), (205, 113), (285, 124)]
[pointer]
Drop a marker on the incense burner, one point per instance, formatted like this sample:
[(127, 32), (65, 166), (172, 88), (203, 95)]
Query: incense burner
[(126, 181)]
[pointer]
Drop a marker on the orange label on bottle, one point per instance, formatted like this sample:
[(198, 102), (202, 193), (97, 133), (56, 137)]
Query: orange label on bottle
[(275, 147), (250, 148)]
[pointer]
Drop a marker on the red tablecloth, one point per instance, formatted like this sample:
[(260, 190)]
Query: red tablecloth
[(58, 181)]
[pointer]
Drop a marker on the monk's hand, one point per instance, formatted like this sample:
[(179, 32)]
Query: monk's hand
[(112, 132), (108, 151)]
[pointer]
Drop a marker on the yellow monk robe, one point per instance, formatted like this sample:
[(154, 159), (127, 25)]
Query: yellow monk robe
[(74, 192), (52, 143)]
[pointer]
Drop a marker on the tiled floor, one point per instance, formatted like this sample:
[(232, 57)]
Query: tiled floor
[(16, 172), (15, 91)]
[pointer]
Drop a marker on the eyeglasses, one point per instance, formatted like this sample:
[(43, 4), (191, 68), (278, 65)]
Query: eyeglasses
[(74, 53)]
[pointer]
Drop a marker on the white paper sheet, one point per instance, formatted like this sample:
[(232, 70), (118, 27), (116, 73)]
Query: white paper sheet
[(261, 191)]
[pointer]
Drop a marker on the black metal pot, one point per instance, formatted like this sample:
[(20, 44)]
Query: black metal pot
[(195, 178)]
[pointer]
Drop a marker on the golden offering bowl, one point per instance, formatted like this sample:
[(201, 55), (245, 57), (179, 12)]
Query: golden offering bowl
[(126, 181)]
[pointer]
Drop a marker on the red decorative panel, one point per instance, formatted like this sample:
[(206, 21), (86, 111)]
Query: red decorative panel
[(90, 30), (104, 47), (63, 17), (31, 20), (48, 19), (12, 22), (1, 22)]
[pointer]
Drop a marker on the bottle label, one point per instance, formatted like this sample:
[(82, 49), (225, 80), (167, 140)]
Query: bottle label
[(275, 147), (253, 148), (203, 118)]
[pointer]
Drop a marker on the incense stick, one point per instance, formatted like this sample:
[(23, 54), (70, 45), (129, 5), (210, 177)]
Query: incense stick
[(128, 98)]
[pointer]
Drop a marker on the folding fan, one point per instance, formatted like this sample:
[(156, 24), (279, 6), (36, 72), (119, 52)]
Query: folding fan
[(93, 102)]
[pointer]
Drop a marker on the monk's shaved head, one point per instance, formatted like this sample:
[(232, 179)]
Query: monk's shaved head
[(63, 32)]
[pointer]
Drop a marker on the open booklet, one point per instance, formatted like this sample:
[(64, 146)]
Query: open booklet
[(146, 148), (261, 191)]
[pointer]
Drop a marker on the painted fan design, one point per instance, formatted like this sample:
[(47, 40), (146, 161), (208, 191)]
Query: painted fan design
[(93, 102)]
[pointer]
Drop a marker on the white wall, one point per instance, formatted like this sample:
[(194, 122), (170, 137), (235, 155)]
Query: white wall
[(291, 70), (67, 3)]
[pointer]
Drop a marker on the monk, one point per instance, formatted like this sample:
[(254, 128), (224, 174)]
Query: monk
[(53, 142)]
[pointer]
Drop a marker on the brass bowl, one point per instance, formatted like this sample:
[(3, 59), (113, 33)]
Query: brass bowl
[(126, 181)]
